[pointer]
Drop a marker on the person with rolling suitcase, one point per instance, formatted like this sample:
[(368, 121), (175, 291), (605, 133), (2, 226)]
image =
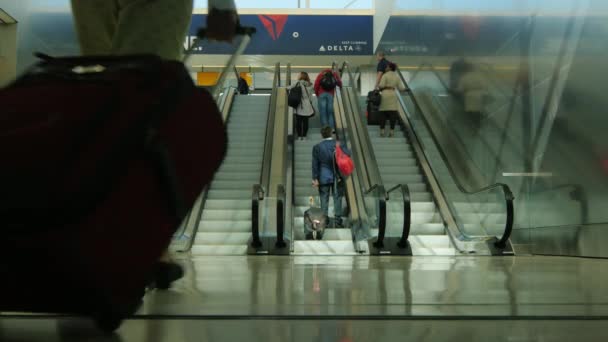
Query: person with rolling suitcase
[(373, 104), (325, 175), (390, 85), (99, 173), (124, 27)]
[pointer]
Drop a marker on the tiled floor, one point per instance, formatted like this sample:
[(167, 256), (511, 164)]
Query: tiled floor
[(361, 298)]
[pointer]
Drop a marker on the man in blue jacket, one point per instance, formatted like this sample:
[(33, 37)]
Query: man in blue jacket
[(325, 175)]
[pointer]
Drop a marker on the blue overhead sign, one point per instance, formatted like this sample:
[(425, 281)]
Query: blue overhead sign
[(298, 35)]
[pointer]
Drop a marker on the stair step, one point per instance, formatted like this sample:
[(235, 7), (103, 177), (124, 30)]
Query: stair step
[(244, 159), (252, 177), (417, 217), (402, 178), (228, 204), (391, 169), (242, 167), (224, 238), (226, 215), (225, 226), (231, 185), (230, 194)]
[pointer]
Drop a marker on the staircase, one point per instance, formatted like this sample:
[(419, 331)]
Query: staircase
[(225, 227)]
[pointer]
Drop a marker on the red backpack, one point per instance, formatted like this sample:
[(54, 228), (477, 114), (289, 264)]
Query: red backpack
[(344, 162)]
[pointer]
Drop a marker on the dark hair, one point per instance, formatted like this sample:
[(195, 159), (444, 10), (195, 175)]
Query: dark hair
[(391, 66), (326, 132), (304, 76)]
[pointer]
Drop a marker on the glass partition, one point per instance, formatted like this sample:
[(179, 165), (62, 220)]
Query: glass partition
[(518, 85), (477, 215)]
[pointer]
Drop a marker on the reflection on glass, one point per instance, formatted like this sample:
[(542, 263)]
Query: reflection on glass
[(521, 97)]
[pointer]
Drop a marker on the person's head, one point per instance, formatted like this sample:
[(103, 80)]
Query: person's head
[(380, 55), (391, 66), (304, 76), (326, 132)]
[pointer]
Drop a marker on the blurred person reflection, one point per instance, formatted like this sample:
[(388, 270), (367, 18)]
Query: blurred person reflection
[(473, 90)]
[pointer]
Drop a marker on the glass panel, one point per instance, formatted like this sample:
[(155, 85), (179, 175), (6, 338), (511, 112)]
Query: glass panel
[(476, 215), (534, 76), (372, 208)]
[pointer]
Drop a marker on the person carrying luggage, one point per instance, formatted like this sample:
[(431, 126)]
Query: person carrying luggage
[(157, 27), (325, 175), (302, 103), (389, 105), (325, 89)]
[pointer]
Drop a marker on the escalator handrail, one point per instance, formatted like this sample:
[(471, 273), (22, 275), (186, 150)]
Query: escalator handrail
[(265, 174), (257, 195), (407, 212), (384, 195), (508, 194), (281, 216)]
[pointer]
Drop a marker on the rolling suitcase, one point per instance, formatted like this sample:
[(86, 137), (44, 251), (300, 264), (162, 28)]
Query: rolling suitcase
[(102, 159), (315, 221), (373, 105)]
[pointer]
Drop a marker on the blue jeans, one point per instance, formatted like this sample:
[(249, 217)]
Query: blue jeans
[(326, 109), (338, 193)]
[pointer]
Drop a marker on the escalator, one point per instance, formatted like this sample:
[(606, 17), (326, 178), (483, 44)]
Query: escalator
[(398, 165), (446, 217), (226, 221), (336, 240), (392, 163)]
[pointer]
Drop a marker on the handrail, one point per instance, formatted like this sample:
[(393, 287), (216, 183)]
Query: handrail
[(372, 188), (265, 174), (407, 213), (373, 173), (359, 228), (256, 197), (384, 195), (281, 213), (508, 194), (288, 75)]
